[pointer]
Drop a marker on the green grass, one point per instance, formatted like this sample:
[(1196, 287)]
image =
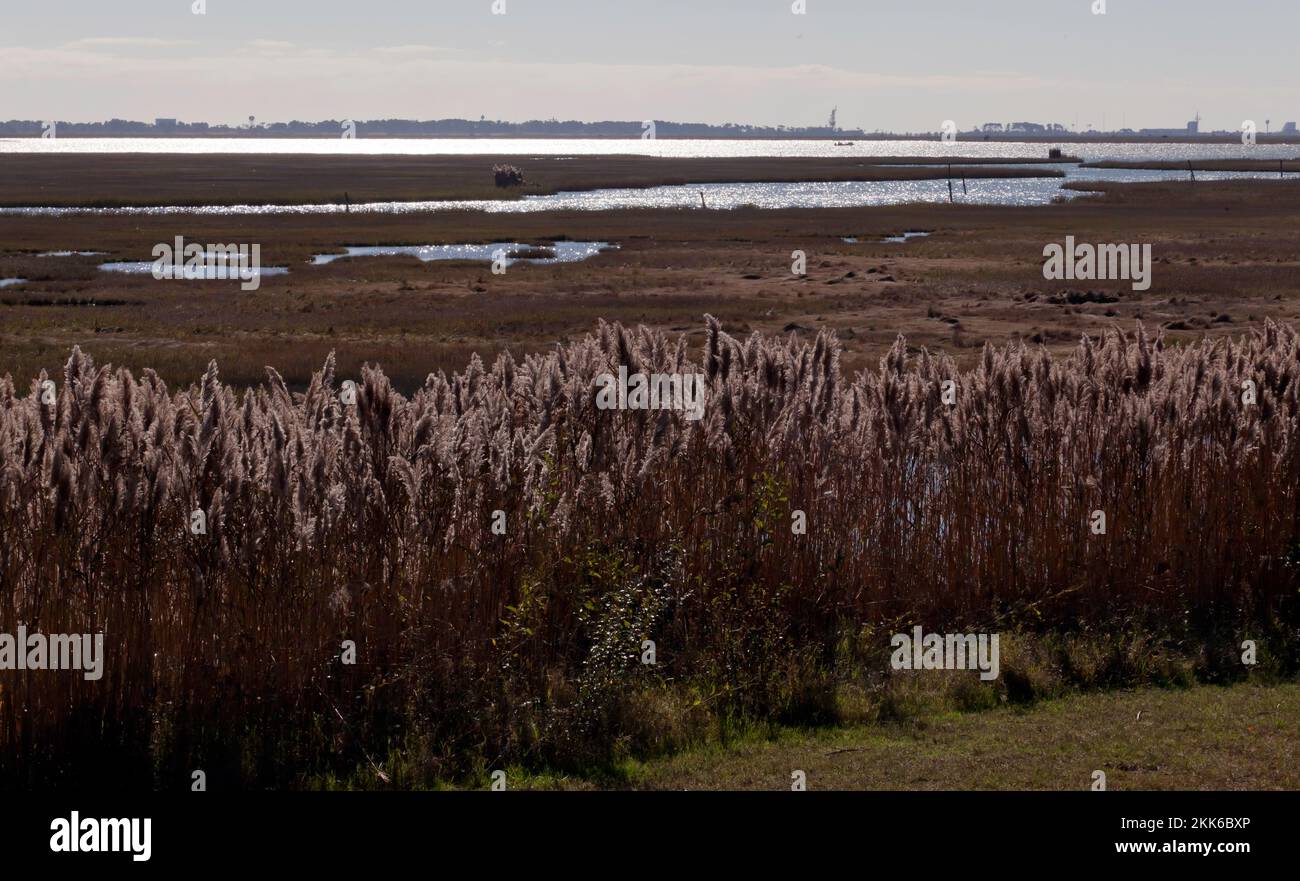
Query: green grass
[(1207, 737)]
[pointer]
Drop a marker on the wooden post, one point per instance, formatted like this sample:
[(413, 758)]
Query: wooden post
[(950, 198), (1191, 170)]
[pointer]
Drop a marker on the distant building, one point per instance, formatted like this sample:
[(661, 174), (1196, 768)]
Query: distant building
[(164, 123), (1289, 129), (1193, 128), (1019, 128)]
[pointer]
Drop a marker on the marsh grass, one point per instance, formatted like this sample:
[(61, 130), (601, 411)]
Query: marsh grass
[(370, 521)]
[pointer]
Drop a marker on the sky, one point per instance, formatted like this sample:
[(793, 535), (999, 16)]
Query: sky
[(892, 65)]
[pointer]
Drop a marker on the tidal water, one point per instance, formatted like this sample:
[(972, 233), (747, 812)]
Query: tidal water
[(668, 148), (561, 252), (718, 196), (207, 272)]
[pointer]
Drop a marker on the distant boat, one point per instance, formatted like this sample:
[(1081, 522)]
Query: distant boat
[(844, 143)]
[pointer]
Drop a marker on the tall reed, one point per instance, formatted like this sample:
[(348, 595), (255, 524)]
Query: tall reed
[(368, 518)]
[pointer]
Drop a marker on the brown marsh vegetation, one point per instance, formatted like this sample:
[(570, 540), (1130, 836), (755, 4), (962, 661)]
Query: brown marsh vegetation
[(370, 522), (1226, 258), (330, 519), (224, 179)]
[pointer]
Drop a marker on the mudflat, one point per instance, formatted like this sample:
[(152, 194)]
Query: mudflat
[(1224, 258)]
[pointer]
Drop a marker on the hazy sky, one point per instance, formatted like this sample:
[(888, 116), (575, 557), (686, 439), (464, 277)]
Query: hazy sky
[(902, 65)]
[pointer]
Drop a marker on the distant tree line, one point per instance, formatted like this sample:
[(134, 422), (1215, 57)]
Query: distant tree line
[(446, 128)]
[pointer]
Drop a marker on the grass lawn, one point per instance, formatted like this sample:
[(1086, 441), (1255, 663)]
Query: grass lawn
[(1212, 738)]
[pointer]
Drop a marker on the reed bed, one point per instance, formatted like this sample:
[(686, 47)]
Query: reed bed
[(356, 514)]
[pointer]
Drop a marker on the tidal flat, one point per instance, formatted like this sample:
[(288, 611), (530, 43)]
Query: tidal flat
[(1224, 256)]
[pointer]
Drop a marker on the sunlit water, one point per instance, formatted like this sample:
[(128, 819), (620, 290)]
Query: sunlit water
[(509, 253), (887, 240), (6, 282), (211, 271), (725, 196), (562, 252), (669, 148)]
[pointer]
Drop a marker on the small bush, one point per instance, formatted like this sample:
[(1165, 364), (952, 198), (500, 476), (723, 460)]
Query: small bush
[(508, 176)]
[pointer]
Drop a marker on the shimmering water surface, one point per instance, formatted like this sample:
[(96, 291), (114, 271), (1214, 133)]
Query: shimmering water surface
[(670, 148), (741, 194), (514, 252), (208, 272), (887, 240), (562, 252), (843, 194)]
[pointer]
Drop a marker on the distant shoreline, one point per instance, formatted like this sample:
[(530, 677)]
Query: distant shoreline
[(1072, 138)]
